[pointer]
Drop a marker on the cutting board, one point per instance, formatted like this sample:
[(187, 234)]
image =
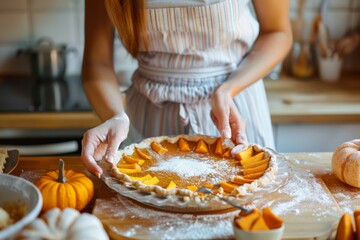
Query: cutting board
[(305, 204)]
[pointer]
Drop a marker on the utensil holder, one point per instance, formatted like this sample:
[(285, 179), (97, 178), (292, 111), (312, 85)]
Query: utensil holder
[(330, 68)]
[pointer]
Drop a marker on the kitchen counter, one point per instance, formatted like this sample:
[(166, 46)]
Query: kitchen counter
[(290, 100), (121, 223), (313, 101)]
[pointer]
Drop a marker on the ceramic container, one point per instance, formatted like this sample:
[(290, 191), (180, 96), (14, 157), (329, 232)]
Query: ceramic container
[(273, 234), (18, 190)]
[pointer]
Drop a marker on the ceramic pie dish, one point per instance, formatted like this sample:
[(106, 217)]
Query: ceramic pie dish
[(167, 171)]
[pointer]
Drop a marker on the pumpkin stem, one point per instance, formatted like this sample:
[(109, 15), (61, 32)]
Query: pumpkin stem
[(61, 178)]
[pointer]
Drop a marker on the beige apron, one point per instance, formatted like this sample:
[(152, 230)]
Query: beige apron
[(194, 46)]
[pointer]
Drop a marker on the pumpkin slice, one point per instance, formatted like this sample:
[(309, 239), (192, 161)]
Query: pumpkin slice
[(227, 153), (128, 166), (208, 185), (158, 148), (255, 158), (239, 180), (184, 145), (254, 175), (151, 181), (259, 225), (130, 160), (245, 154), (357, 225), (244, 214), (345, 229), (228, 187), (146, 177), (143, 154), (246, 223), (255, 164), (192, 188), (202, 147), (271, 220), (135, 169), (171, 185), (219, 150), (258, 169)]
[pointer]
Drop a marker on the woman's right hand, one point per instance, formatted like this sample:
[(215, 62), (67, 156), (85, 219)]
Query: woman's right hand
[(103, 141)]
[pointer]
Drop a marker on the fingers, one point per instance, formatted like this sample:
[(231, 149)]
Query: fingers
[(238, 127), (221, 121), (87, 158), (114, 141)]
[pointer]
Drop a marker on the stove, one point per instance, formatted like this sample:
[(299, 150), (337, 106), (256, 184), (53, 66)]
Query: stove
[(20, 94)]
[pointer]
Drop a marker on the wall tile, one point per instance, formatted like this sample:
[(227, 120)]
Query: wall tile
[(52, 4), (10, 63), (339, 4), (13, 4), (74, 60), (60, 26), (14, 27), (337, 23)]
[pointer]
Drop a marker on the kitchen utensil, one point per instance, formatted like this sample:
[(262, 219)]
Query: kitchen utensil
[(12, 161), (50, 95), (48, 61), (205, 190), (20, 191)]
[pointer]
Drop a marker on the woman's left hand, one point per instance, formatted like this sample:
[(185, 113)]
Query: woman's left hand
[(226, 117)]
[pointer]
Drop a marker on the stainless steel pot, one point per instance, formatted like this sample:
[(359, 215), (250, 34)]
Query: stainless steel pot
[(48, 61)]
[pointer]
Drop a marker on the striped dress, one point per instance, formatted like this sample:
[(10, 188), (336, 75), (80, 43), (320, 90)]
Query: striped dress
[(193, 47)]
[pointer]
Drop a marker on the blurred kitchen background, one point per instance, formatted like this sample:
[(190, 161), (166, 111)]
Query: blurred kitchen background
[(47, 112)]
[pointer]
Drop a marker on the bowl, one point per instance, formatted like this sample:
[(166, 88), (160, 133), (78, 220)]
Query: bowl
[(16, 190), (272, 234)]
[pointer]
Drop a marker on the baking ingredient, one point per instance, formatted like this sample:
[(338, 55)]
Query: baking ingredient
[(202, 147), (257, 221), (158, 148), (65, 189), (184, 145), (68, 224), (345, 230), (271, 219), (346, 162), (245, 154), (219, 150)]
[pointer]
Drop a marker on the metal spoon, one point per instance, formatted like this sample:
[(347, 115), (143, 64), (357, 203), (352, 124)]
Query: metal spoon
[(205, 190)]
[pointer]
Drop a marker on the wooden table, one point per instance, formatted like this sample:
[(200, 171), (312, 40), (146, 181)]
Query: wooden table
[(345, 197)]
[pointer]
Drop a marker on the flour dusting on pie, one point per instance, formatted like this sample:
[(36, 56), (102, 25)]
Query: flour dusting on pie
[(178, 166)]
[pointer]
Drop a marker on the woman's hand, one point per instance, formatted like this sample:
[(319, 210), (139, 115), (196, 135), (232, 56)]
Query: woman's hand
[(226, 117), (104, 141)]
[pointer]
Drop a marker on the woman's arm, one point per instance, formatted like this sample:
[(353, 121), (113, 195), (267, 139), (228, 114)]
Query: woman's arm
[(271, 46), (99, 81), (98, 73)]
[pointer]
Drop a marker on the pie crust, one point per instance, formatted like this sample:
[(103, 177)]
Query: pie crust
[(3, 156), (261, 173)]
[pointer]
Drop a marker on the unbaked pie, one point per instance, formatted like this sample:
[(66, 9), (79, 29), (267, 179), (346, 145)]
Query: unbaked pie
[(178, 166)]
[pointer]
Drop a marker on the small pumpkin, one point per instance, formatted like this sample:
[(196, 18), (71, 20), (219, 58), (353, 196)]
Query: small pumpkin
[(68, 224), (346, 162), (65, 189)]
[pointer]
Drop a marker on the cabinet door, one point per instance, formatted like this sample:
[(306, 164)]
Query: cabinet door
[(313, 137)]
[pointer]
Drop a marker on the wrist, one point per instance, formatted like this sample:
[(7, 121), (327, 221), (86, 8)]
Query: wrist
[(122, 116)]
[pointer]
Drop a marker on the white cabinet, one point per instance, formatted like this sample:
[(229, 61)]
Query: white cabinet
[(313, 137)]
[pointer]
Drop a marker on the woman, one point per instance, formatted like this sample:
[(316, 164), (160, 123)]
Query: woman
[(199, 68)]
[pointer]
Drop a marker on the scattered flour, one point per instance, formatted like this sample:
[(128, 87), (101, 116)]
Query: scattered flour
[(184, 167), (195, 170)]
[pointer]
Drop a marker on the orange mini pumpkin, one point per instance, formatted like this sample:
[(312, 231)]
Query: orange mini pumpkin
[(65, 189)]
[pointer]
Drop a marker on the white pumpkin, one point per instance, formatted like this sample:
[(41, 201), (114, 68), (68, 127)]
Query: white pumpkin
[(68, 224), (346, 162)]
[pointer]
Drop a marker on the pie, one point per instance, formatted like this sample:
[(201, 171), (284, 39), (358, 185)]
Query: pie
[(178, 166)]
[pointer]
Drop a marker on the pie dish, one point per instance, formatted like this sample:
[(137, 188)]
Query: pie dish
[(178, 166), (3, 156)]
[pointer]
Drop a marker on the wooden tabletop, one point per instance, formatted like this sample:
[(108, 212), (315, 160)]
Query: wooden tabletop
[(106, 199)]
